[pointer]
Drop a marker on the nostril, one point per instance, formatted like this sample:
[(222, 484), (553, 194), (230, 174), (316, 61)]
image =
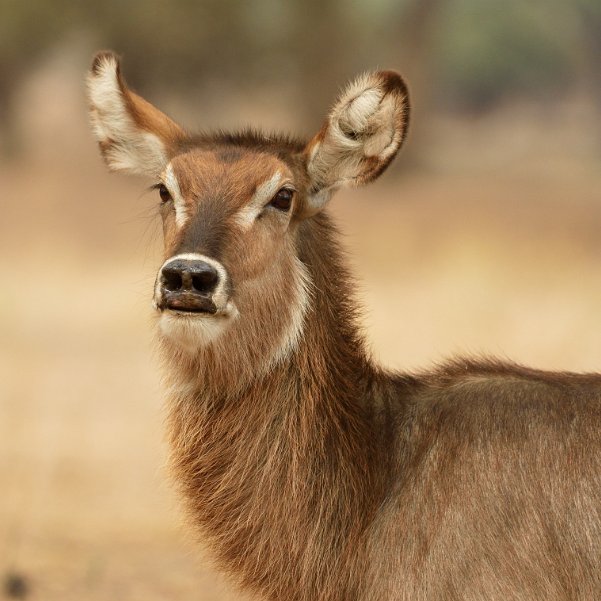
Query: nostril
[(189, 277), (172, 279), (205, 281)]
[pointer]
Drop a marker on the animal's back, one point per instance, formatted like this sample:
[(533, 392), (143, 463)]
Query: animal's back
[(497, 489)]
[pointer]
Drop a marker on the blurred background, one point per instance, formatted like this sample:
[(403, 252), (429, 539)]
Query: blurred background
[(483, 237)]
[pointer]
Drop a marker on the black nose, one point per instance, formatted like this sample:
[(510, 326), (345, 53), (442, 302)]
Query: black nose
[(186, 285), (189, 276)]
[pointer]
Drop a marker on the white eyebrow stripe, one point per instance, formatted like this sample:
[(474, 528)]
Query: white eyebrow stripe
[(263, 194), (181, 210)]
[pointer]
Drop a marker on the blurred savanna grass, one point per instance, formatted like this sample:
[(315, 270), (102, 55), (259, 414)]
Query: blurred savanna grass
[(483, 236)]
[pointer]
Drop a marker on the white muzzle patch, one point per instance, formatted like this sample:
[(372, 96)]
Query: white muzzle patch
[(191, 331)]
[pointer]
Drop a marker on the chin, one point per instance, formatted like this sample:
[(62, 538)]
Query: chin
[(194, 331)]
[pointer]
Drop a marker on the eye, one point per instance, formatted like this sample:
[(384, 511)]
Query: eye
[(283, 199), (164, 193)]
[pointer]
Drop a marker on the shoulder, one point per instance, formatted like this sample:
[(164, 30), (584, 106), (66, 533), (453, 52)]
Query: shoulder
[(484, 399)]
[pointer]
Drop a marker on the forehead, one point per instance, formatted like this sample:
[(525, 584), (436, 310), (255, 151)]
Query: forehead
[(228, 172)]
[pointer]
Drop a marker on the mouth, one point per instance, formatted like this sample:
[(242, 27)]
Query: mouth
[(185, 303)]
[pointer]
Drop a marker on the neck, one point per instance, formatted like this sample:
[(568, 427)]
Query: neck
[(279, 472)]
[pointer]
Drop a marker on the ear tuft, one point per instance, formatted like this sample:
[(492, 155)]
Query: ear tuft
[(362, 134), (103, 60)]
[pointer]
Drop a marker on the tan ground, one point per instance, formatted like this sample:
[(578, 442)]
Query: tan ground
[(497, 260)]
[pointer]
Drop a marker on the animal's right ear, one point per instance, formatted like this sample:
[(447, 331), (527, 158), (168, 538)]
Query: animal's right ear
[(133, 135)]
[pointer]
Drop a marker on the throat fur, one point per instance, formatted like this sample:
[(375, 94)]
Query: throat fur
[(278, 476), (278, 482)]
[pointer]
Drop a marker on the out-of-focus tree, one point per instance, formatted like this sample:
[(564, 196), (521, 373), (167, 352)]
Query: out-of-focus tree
[(464, 55), (590, 13), (27, 30), (183, 40), (411, 30), (490, 51)]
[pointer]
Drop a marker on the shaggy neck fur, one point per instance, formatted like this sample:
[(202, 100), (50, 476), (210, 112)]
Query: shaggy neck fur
[(278, 471)]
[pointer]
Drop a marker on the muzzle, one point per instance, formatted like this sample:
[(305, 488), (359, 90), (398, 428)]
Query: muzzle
[(191, 283)]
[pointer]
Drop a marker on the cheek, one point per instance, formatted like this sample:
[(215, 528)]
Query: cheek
[(253, 253)]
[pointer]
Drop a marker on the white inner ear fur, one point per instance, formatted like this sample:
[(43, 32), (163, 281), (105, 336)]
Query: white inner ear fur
[(354, 115), (128, 147), (182, 213), (363, 124), (364, 118), (263, 194)]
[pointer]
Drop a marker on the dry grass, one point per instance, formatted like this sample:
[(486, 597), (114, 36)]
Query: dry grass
[(504, 264)]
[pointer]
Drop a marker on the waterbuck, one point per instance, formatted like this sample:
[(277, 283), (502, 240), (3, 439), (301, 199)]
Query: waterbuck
[(311, 473)]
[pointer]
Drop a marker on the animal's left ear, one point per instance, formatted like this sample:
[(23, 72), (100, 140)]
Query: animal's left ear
[(361, 136)]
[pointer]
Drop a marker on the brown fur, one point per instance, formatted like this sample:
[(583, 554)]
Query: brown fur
[(313, 474), (147, 117)]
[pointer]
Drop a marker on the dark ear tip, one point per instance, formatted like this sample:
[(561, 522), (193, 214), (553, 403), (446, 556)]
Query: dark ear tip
[(393, 82), (102, 58)]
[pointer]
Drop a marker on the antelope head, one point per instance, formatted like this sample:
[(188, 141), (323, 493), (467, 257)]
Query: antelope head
[(233, 206)]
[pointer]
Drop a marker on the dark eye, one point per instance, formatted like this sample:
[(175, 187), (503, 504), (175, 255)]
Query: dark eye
[(164, 193), (283, 199)]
